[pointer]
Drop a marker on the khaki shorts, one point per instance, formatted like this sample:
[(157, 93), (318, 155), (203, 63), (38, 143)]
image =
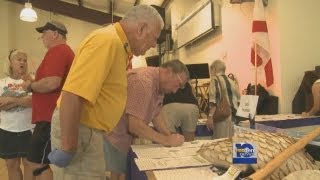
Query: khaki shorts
[(181, 115), (88, 162)]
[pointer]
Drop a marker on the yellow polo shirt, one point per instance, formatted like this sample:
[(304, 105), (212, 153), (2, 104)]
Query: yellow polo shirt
[(98, 74)]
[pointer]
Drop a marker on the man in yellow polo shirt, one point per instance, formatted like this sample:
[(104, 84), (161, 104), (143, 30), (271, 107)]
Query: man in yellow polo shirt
[(94, 95)]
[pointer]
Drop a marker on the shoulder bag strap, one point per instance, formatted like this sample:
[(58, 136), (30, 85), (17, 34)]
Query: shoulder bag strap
[(218, 95), (228, 86)]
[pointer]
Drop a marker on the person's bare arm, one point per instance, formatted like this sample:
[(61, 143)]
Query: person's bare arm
[(7, 103), (316, 100), (142, 130), (212, 110), (160, 124), (70, 110), (44, 85)]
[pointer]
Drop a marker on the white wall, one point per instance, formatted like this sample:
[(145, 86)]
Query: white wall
[(230, 42), (4, 31), (299, 44), (22, 35), (294, 41), (293, 31)]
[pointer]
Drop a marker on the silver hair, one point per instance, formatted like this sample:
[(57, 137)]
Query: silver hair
[(177, 67), (218, 66), (143, 13)]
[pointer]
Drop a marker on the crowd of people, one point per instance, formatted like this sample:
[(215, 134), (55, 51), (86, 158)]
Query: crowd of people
[(77, 117), (60, 116)]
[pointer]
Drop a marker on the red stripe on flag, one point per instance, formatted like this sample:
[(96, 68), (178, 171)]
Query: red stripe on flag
[(261, 40), (269, 73), (259, 26), (259, 60)]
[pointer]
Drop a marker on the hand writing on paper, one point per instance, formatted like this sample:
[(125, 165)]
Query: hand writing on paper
[(174, 140)]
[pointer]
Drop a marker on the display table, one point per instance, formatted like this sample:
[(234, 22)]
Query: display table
[(202, 130), (181, 162), (133, 172), (293, 125), (284, 121)]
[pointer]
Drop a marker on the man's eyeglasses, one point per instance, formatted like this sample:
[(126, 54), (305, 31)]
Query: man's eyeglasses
[(182, 85)]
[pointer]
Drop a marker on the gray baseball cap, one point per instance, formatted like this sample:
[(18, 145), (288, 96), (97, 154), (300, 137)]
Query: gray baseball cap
[(54, 26)]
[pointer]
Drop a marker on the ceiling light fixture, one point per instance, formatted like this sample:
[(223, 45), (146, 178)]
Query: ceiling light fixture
[(28, 14)]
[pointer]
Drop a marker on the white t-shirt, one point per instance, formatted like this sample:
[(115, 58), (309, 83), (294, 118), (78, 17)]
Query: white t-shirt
[(16, 119)]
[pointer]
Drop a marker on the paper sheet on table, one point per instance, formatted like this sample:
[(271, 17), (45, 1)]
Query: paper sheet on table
[(203, 173), (202, 121), (277, 117), (187, 149), (169, 163)]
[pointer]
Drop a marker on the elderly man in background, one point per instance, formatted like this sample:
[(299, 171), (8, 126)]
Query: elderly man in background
[(95, 93), (46, 88), (146, 89)]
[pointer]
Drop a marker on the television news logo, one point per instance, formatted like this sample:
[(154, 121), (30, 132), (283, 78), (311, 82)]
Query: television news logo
[(244, 153)]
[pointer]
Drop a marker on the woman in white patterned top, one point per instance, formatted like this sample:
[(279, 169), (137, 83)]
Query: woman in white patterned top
[(15, 117)]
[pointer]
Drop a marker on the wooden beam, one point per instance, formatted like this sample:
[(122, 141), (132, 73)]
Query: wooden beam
[(71, 10), (165, 3)]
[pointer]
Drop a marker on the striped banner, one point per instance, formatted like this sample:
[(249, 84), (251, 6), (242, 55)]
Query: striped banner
[(261, 40)]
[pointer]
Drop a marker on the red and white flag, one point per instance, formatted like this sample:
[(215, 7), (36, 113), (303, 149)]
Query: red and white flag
[(261, 40)]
